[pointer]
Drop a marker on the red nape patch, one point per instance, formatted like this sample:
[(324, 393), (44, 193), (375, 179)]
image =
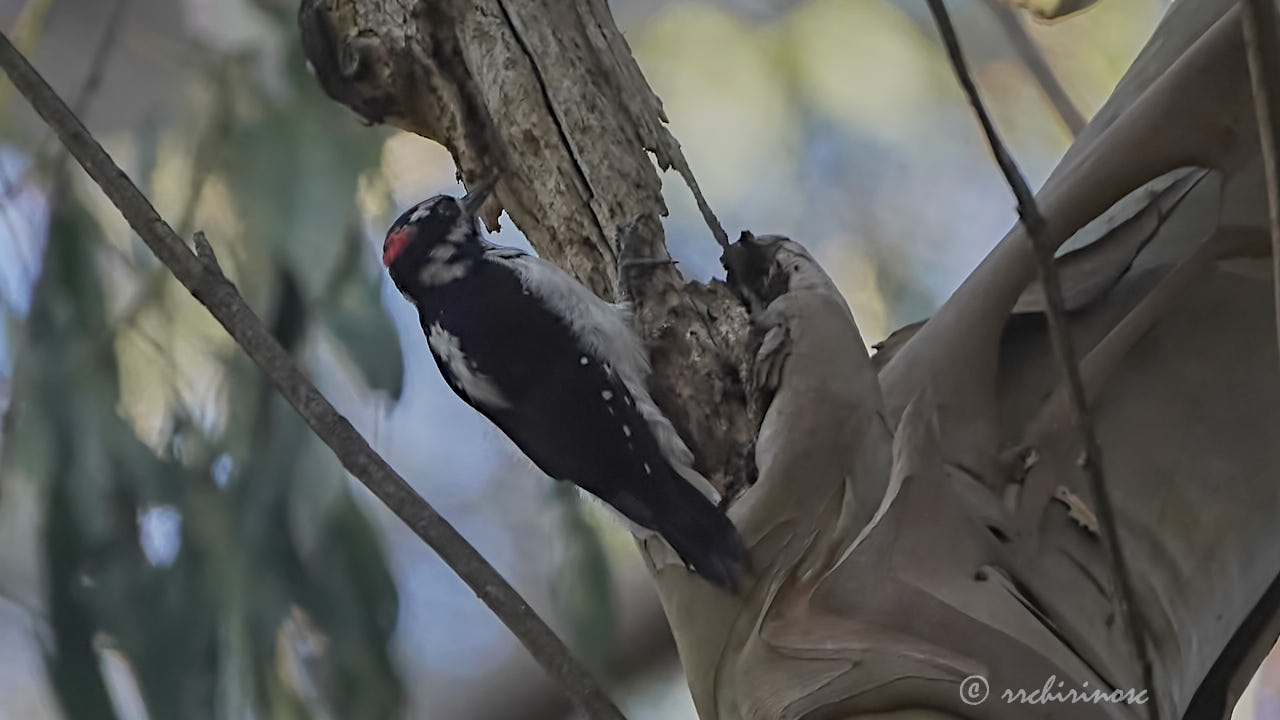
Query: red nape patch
[(394, 245)]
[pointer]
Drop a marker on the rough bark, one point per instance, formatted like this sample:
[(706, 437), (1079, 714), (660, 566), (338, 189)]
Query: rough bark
[(924, 521)]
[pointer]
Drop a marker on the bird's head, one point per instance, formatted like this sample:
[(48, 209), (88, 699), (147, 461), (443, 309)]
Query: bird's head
[(436, 221)]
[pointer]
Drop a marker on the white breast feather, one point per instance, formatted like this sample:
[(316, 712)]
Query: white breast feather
[(435, 274), (602, 329), (478, 386)]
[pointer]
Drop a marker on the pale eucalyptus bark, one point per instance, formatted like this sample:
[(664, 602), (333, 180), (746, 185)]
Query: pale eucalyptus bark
[(932, 525)]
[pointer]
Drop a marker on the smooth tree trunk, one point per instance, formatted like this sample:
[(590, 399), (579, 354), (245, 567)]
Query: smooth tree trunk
[(917, 517)]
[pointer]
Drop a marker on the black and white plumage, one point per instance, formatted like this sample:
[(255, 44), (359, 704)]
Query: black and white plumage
[(560, 373)]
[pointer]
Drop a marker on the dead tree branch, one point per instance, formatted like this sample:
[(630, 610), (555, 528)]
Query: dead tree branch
[(1055, 312), (200, 274)]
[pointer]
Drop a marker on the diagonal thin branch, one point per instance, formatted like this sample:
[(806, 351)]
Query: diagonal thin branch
[(1055, 311), (1263, 49), (1033, 58), (200, 274), (708, 215)]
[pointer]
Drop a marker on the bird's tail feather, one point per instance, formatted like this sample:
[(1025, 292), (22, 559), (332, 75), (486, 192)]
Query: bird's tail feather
[(702, 535)]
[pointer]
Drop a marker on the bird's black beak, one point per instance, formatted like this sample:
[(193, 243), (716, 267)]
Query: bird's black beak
[(475, 198)]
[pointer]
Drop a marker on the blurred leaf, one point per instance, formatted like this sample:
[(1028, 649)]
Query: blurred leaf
[(66, 303), (203, 610), (354, 315), (1052, 9), (353, 599), (293, 165), (362, 327), (582, 587), (316, 555), (73, 663), (102, 589), (291, 312)]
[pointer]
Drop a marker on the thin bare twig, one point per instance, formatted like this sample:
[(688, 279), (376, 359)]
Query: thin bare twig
[(32, 19), (200, 274), (101, 54), (1055, 311), (708, 215), (215, 132), (1034, 60), (1263, 49), (26, 32), (98, 63)]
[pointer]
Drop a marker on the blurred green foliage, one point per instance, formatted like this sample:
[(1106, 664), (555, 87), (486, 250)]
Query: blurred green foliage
[(222, 559), (292, 163), (582, 584)]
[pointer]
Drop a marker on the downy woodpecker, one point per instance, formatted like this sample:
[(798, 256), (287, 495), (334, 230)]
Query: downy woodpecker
[(559, 371)]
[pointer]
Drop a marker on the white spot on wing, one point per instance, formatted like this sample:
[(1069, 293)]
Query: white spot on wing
[(478, 387), (602, 329), (606, 394), (626, 430), (584, 360)]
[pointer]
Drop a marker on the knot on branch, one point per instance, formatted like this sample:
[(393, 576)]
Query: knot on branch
[(350, 64), (204, 251)]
